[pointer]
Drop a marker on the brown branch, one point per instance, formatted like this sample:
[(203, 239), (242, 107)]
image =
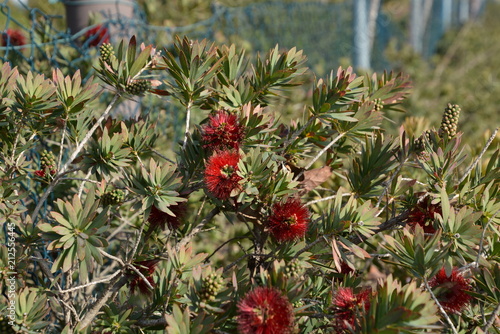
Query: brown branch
[(113, 287), (492, 319), (184, 241)]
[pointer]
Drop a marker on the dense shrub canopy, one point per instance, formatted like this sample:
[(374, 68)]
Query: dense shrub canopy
[(252, 222)]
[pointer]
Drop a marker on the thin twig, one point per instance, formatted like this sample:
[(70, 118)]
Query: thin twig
[(47, 193), (91, 314), (80, 189), (61, 144), (314, 243), (223, 244), (71, 308), (320, 153), (122, 226), (326, 148), (103, 280), (398, 220), (229, 266), (136, 246), (21, 154), (441, 309), (188, 120), (471, 167), (80, 179), (416, 181), (492, 319), (197, 229), (141, 275), (386, 188), (114, 258), (297, 133), (326, 199), (89, 134), (162, 156), (481, 242), (64, 168), (45, 268)]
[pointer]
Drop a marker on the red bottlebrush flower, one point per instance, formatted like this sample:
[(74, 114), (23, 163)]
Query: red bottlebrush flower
[(423, 214), (451, 291), (97, 35), (147, 268), (13, 37), (289, 220), (223, 131), (40, 173), (345, 305), (265, 311), (158, 218), (221, 176), (345, 269)]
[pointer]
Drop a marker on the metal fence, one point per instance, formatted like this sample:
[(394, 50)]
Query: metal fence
[(358, 31)]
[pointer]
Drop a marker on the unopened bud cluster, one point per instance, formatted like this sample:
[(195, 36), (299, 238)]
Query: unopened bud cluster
[(379, 104), (107, 52), (48, 160), (420, 141), (47, 165), (210, 287), (112, 197), (138, 87), (293, 268), (449, 125), (450, 119)]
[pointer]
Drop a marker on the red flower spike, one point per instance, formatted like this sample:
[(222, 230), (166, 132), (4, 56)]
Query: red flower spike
[(423, 214), (40, 173), (289, 220), (13, 38), (223, 131), (147, 268), (265, 311), (452, 293), (160, 219), (345, 304), (221, 176), (97, 35)]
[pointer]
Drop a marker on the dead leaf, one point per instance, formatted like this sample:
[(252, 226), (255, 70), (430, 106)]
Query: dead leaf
[(315, 177)]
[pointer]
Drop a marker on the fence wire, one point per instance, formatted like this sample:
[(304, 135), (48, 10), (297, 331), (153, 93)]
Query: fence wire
[(323, 30)]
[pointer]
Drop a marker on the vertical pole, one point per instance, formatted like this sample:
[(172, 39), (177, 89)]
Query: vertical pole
[(446, 12), (475, 8), (361, 50), (416, 27), (463, 11), (372, 21)]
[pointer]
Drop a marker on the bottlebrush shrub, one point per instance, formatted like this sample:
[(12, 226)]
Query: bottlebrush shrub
[(255, 222)]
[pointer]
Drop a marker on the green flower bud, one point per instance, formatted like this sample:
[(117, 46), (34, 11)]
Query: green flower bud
[(138, 87), (107, 52), (450, 120), (210, 287), (113, 197), (293, 268)]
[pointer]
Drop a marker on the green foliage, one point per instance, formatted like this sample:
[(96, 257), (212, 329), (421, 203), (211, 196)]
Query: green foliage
[(400, 309), (106, 155), (370, 170), (78, 234), (414, 252), (363, 196), (157, 186)]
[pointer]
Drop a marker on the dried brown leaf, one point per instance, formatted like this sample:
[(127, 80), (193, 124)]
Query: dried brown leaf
[(315, 177)]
